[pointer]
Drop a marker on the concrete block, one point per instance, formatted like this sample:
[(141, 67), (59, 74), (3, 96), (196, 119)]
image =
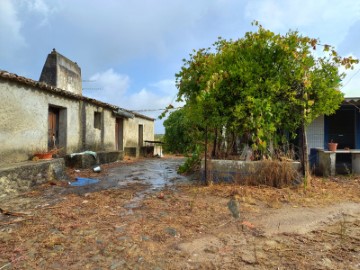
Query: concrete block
[(130, 151), (89, 161)]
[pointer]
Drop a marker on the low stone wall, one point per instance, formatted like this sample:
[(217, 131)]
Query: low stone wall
[(109, 156), (231, 171), (147, 151), (130, 151), (18, 177), (89, 161)]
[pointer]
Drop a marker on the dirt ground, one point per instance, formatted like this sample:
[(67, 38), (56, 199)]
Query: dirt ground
[(142, 215)]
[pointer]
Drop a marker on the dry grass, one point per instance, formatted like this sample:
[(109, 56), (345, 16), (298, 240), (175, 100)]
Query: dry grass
[(321, 192), (274, 173), (99, 230)]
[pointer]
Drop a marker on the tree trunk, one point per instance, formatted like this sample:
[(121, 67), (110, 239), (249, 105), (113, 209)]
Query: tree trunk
[(207, 178), (214, 150), (305, 159)]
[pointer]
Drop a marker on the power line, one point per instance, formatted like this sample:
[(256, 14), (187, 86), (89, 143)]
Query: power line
[(154, 110), (350, 78)]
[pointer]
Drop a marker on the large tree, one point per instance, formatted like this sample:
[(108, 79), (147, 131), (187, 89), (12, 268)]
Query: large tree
[(261, 84), (179, 135)]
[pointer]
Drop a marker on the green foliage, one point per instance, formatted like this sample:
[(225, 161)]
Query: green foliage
[(167, 109), (159, 137), (178, 132), (192, 162), (261, 84)]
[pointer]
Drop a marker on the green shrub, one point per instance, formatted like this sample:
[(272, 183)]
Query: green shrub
[(192, 162)]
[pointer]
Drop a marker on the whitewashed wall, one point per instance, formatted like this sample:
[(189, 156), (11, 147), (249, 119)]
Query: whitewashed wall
[(24, 121), (315, 133)]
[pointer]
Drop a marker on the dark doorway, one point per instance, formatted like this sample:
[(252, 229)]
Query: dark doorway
[(53, 128), (141, 135), (341, 128), (119, 134), (57, 127)]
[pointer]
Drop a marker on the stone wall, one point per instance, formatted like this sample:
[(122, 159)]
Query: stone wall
[(130, 151), (24, 121), (89, 161), (21, 176), (236, 171)]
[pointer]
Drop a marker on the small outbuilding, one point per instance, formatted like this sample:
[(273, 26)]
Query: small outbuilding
[(341, 128)]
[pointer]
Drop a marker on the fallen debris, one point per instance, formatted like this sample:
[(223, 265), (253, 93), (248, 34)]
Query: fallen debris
[(83, 182), (16, 214), (97, 169), (13, 221)]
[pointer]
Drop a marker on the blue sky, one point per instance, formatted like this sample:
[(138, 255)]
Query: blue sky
[(131, 50)]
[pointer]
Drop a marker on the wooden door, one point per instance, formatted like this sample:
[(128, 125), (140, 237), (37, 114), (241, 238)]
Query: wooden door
[(141, 135), (119, 133), (53, 128)]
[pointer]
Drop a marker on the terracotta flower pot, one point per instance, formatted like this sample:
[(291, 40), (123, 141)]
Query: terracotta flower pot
[(332, 146), (43, 155)]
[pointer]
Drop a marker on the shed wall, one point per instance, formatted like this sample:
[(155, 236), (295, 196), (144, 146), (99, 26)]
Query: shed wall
[(316, 133)]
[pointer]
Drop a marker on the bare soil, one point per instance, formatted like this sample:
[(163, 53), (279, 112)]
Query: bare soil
[(142, 215)]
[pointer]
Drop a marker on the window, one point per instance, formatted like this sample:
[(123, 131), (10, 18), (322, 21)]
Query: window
[(97, 120)]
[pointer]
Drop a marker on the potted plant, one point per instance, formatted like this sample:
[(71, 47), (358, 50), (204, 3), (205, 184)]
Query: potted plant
[(332, 146), (45, 154)]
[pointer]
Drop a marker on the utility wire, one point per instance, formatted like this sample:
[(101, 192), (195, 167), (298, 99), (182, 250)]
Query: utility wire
[(154, 110), (350, 78)]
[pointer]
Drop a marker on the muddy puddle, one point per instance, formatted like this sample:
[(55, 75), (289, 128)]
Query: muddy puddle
[(152, 174), (149, 174), (145, 177), (156, 173)]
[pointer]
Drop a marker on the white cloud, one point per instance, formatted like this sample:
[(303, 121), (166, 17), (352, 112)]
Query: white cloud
[(351, 83), (350, 43), (166, 86), (112, 87), (10, 30), (153, 101), (39, 6), (42, 8), (147, 100), (330, 18), (107, 86)]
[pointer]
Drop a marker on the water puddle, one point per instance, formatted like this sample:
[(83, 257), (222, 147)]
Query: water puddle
[(155, 174), (80, 182)]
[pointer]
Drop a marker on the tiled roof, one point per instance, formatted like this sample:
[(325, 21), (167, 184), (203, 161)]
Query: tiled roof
[(54, 90)]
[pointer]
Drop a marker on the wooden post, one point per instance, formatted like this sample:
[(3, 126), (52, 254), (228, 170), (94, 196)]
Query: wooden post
[(206, 142), (305, 159)]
